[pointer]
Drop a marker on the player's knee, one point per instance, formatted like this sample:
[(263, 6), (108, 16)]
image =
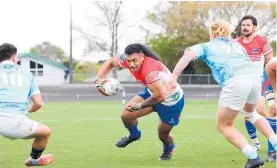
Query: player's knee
[(252, 116), (222, 125), (47, 132), (125, 115), (163, 135)]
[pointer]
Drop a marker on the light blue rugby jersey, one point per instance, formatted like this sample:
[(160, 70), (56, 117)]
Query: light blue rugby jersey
[(17, 85), (226, 58)]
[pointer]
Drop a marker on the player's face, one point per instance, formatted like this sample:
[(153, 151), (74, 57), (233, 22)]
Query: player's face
[(135, 61), (247, 27)]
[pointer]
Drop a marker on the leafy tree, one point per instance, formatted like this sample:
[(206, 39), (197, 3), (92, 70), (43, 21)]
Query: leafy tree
[(110, 20), (49, 51), (183, 24)]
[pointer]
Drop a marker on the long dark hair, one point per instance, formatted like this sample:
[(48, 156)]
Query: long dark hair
[(139, 48), (6, 51)]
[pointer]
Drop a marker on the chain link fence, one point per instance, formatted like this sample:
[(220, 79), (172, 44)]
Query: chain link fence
[(186, 79)]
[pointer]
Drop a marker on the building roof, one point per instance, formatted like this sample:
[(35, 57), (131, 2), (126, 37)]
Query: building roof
[(41, 59)]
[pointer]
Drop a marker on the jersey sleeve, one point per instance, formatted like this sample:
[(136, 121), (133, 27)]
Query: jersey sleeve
[(199, 49), (266, 46), (151, 71), (121, 60), (34, 89), (152, 77)]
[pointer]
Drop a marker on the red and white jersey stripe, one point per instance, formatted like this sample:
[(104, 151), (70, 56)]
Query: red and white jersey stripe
[(257, 50), (152, 71)]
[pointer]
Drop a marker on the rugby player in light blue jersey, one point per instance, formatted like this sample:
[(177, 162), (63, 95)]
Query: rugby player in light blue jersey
[(17, 89), (241, 87)]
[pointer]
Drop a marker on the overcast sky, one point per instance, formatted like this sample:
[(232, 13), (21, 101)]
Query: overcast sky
[(29, 22), (25, 23)]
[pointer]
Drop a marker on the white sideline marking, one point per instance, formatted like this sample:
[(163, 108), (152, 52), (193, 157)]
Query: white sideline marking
[(96, 119), (110, 119), (196, 116), (51, 120)]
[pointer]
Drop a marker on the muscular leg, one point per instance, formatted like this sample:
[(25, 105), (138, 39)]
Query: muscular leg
[(251, 129), (165, 135), (130, 121), (41, 135)]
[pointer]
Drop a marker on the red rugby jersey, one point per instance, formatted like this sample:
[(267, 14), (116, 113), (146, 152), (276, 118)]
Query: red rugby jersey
[(257, 49), (149, 71)]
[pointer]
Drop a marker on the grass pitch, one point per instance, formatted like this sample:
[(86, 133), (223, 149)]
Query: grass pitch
[(84, 136)]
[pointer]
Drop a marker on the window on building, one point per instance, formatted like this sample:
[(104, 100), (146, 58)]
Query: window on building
[(33, 65), (33, 72), (40, 66), (36, 68), (40, 73)]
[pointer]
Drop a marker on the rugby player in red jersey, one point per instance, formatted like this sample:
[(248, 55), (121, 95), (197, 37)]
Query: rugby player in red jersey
[(148, 70), (259, 52)]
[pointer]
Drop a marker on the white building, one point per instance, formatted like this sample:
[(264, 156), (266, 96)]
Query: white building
[(45, 71)]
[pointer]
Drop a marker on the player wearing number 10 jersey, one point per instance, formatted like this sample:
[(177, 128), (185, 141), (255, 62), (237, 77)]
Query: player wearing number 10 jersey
[(17, 87), (148, 70)]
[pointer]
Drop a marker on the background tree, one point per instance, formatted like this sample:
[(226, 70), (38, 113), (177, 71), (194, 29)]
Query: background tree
[(110, 19), (49, 51), (183, 24)]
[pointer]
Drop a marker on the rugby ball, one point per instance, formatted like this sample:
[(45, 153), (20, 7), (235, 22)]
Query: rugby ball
[(112, 86)]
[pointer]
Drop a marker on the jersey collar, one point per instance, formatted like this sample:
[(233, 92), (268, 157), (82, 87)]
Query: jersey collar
[(7, 62)]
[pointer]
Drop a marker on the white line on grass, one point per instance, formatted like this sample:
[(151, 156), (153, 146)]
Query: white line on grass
[(51, 120), (110, 119), (196, 116), (96, 119)]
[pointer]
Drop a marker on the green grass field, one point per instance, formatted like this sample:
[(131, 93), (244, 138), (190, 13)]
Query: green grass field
[(84, 134)]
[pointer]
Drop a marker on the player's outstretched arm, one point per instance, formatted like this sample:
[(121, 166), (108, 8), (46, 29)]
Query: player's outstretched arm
[(271, 72), (107, 66), (103, 71), (189, 55), (36, 103)]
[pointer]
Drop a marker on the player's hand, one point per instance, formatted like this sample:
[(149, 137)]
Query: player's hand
[(99, 85), (171, 84), (133, 107)]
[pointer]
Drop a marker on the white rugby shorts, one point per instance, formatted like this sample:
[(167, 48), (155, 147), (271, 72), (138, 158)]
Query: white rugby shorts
[(240, 90), (16, 126)]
